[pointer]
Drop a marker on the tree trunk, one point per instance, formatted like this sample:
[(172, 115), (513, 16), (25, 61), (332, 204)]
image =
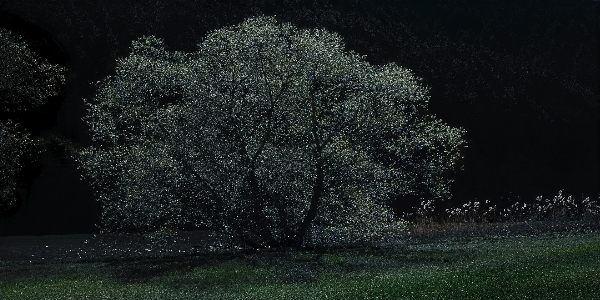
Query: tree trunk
[(314, 203), (258, 219)]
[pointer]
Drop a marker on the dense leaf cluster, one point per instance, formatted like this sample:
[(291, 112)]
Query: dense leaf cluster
[(25, 80), (275, 135)]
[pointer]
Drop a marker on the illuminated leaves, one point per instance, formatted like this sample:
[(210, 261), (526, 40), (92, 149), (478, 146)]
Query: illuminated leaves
[(25, 80), (278, 136)]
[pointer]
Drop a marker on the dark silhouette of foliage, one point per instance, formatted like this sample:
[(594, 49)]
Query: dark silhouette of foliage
[(25, 81)]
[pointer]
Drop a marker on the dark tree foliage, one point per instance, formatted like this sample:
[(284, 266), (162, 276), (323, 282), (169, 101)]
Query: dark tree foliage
[(25, 81), (275, 135)]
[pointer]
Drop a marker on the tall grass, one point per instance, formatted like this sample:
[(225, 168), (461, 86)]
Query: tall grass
[(559, 214)]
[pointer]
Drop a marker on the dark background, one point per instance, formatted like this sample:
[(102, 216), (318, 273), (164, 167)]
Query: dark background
[(520, 76)]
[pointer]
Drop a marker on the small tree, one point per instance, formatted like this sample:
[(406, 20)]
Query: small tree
[(25, 81), (275, 135)]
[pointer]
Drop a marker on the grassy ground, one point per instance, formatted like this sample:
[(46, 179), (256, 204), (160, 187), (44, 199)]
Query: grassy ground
[(549, 249), (549, 266)]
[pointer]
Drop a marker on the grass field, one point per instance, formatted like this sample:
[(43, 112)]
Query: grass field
[(548, 266), (546, 250)]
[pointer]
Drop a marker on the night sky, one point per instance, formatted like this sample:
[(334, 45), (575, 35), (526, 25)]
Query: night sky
[(520, 76)]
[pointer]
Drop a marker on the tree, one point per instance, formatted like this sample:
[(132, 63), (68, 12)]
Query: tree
[(275, 135), (25, 81)]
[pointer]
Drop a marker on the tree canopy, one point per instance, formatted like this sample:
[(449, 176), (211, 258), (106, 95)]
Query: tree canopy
[(25, 81), (273, 134)]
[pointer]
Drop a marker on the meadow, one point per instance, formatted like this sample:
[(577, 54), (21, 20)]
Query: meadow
[(530, 258)]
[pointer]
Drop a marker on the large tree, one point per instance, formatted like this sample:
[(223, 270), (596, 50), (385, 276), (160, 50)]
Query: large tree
[(275, 135), (25, 81)]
